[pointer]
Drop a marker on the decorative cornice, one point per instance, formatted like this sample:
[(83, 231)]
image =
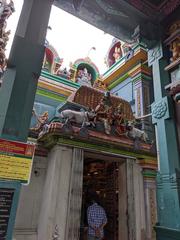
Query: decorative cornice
[(163, 9), (62, 90), (149, 174), (174, 90), (141, 77), (167, 178), (109, 9), (60, 79), (121, 61), (50, 95), (173, 65), (136, 73), (140, 68), (118, 81), (52, 139), (124, 67), (170, 6), (148, 165)]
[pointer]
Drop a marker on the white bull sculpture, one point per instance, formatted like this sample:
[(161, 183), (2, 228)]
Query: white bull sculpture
[(81, 117)]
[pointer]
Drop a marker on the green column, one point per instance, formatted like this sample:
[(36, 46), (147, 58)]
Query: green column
[(20, 80), (168, 184), (24, 66)]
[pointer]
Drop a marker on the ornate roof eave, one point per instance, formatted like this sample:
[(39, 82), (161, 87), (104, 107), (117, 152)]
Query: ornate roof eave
[(174, 90), (58, 89), (59, 79), (55, 87), (122, 66), (96, 141), (118, 18)]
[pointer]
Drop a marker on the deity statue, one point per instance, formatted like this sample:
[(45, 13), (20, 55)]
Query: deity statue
[(99, 84), (175, 44), (63, 73), (119, 120), (57, 65), (42, 120), (128, 51), (84, 78), (104, 112), (111, 116), (2, 61), (175, 49), (117, 53), (6, 9)]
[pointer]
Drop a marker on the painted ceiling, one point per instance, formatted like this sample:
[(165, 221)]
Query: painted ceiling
[(119, 17)]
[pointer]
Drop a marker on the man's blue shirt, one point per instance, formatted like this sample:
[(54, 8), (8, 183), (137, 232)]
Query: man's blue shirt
[(96, 217)]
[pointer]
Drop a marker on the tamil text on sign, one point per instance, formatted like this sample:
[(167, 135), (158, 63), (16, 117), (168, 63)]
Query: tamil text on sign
[(15, 160)]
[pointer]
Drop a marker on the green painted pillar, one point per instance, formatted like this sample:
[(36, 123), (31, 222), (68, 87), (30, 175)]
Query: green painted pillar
[(24, 66), (168, 184), (19, 85)]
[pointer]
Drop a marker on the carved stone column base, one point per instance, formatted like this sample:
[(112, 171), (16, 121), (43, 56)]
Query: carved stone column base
[(168, 193), (163, 233)]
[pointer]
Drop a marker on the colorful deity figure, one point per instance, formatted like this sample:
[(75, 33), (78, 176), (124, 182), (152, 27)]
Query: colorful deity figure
[(104, 112), (117, 53), (119, 120), (111, 116), (175, 44), (42, 120), (2, 61), (128, 51), (6, 9), (83, 77), (63, 72), (175, 49)]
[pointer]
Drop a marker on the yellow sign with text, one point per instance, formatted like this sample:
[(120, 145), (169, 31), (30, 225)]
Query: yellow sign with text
[(16, 160)]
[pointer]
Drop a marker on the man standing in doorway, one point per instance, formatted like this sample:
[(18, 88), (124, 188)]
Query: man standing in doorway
[(97, 219)]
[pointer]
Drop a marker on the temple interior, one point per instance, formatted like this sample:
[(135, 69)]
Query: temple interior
[(101, 176)]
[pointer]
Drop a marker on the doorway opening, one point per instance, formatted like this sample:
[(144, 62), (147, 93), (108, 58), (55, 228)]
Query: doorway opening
[(101, 175)]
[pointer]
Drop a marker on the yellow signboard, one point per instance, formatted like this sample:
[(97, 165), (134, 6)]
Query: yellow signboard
[(16, 160)]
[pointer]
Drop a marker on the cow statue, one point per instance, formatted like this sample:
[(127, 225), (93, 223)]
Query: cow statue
[(136, 133), (85, 118)]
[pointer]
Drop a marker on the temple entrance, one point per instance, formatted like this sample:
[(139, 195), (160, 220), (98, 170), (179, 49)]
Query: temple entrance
[(103, 175)]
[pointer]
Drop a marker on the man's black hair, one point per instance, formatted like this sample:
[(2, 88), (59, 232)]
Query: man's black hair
[(94, 197)]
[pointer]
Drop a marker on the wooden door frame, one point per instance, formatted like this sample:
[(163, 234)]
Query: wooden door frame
[(123, 203)]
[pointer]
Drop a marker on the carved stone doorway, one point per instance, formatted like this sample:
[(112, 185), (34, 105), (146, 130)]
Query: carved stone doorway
[(119, 182), (107, 175)]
